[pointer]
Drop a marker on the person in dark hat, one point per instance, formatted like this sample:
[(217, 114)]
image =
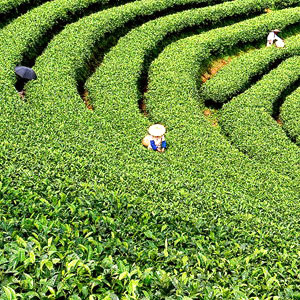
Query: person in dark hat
[(24, 75)]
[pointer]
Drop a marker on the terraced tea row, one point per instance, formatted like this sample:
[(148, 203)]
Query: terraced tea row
[(290, 112), (87, 212), (184, 68), (14, 7), (68, 41), (251, 112), (235, 78), (7, 5), (238, 75)]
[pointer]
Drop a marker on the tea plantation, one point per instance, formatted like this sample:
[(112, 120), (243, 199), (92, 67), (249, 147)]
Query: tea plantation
[(86, 212)]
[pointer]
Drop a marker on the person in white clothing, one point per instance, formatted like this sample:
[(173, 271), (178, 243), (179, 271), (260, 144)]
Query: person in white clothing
[(156, 139), (279, 43), (272, 36)]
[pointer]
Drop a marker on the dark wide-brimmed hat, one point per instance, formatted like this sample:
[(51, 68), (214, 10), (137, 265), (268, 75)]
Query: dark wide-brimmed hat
[(25, 72)]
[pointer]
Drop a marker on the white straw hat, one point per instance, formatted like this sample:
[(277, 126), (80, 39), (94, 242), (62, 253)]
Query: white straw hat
[(276, 30), (157, 130)]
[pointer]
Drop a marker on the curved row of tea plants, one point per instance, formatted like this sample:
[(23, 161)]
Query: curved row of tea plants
[(117, 78), (12, 9), (248, 123), (77, 41), (289, 114), (8, 5), (50, 101), (22, 37), (183, 66), (87, 212), (235, 77)]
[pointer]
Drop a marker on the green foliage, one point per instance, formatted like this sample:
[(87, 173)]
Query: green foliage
[(172, 99), (236, 76), (8, 5), (247, 120), (290, 112), (22, 37), (87, 213)]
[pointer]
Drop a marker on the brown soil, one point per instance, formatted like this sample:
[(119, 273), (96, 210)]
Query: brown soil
[(211, 117), (141, 102), (279, 122), (268, 10), (85, 97), (215, 68), (143, 108), (207, 112)]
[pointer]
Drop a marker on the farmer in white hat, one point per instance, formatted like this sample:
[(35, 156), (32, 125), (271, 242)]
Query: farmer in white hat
[(156, 139), (272, 36)]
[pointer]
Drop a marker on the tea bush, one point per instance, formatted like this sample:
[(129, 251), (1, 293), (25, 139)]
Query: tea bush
[(238, 75), (21, 38), (255, 108), (88, 213), (68, 40), (9, 5), (290, 115)]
